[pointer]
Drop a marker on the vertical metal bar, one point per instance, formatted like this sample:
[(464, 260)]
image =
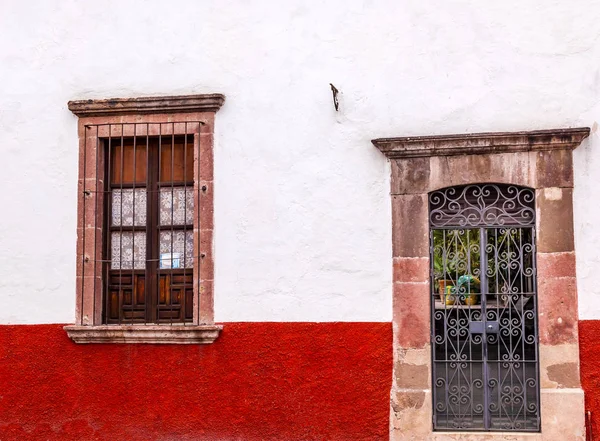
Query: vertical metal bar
[(484, 291), (183, 299), (469, 316), (148, 274), (523, 331), (199, 227), (446, 336), (535, 325), (457, 347), (94, 260), (432, 326), (172, 220), (156, 233), (121, 309), (83, 228), (498, 348), (133, 263), (108, 196)]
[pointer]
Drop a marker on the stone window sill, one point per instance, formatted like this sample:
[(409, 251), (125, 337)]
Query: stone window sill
[(147, 334)]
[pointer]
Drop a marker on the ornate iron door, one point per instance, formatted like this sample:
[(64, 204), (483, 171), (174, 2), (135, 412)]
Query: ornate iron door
[(484, 308)]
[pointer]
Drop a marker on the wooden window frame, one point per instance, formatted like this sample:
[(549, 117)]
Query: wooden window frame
[(191, 114)]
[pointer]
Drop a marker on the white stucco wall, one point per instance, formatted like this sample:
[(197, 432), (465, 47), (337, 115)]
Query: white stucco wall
[(303, 223)]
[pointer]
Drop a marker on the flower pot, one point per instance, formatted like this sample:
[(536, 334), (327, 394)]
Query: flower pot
[(450, 297), (471, 299), (443, 285)]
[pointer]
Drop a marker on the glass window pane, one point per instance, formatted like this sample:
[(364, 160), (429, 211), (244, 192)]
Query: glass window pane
[(176, 206), (124, 203), (176, 249), (128, 250)]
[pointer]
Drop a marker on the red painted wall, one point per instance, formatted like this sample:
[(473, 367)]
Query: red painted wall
[(589, 350), (259, 381)]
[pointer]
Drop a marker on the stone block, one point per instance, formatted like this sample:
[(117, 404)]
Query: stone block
[(509, 168), (557, 310), (559, 366), (556, 265), (411, 305), (410, 227), (554, 168), (410, 375), (411, 269), (555, 220), (410, 175)]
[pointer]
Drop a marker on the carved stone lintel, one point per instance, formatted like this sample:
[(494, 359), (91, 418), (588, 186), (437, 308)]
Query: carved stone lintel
[(150, 334), (144, 105), (481, 143)]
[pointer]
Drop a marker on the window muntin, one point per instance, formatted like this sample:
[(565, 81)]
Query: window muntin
[(484, 319)]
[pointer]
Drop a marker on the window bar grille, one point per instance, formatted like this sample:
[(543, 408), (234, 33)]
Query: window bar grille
[(117, 246), (509, 244)]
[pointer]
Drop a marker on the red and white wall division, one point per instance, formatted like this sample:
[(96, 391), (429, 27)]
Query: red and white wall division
[(308, 284)]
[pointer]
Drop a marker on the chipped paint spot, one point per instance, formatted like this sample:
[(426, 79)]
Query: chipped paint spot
[(553, 193)]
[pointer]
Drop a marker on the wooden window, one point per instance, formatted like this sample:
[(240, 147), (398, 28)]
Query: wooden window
[(150, 248), (145, 220)]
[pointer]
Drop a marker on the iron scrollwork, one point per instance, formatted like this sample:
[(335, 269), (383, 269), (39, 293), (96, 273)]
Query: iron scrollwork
[(483, 273)]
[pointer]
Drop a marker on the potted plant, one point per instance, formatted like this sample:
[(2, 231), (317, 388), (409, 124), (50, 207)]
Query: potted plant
[(468, 289), (456, 255), (440, 272)]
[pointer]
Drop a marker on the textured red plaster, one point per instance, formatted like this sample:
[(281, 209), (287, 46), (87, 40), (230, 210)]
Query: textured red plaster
[(259, 381), (589, 353)]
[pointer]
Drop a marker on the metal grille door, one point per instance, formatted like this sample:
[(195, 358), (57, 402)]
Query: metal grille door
[(484, 308)]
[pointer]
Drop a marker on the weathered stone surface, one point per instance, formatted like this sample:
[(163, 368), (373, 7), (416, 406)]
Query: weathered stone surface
[(414, 376), (559, 365), (555, 220), (556, 265), (557, 305), (554, 168), (563, 414), (481, 143), (410, 176), (150, 334), (411, 269), (410, 228), (540, 160), (117, 106), (411, 415), (564, 374), (411, 314), (509, 168), (409, 399)]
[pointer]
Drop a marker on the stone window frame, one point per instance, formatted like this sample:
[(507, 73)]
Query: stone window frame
[(541, 160), (192, 109)]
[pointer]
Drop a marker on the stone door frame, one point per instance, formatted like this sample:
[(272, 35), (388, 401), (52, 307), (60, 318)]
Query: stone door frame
[(541, 160)]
